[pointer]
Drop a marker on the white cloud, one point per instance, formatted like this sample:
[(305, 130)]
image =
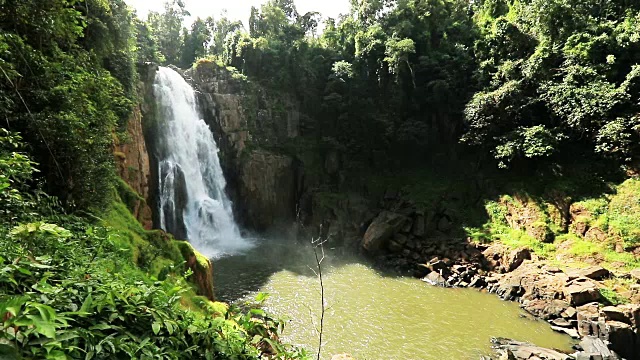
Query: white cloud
[(240, 9)]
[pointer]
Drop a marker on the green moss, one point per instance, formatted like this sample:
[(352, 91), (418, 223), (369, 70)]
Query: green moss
[(153, 251), (127, 195), (187, 251)]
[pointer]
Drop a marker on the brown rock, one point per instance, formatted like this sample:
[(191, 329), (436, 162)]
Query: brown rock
[(635, 274), (593, 272), (615, 313), (582, 291), (381, 229), (418, 228), (201, 267), (595, 234), (498, 255), (546, 309)]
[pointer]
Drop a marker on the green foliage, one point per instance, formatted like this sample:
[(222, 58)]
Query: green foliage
[(70, 83), (612, 297), (558, 71)]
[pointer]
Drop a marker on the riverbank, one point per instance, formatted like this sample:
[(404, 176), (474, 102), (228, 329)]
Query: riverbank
[(574, 301)]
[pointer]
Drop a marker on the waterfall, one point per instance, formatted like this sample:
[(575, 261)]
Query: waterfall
[(193, 204)]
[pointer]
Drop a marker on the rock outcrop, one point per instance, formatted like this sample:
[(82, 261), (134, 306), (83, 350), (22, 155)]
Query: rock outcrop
[(133, 166), (201, 267)]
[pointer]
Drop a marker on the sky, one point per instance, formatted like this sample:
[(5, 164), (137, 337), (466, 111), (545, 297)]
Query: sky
[(239, 9)]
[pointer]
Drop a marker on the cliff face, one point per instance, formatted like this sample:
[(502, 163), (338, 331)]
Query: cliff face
[(249, 127), (133, 166)]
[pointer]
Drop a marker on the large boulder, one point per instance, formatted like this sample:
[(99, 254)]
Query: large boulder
[(503, 259), (382, 228), (582, 291), (592, 272)]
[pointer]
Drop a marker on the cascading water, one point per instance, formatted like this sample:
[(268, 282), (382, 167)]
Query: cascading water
[(193, 203)]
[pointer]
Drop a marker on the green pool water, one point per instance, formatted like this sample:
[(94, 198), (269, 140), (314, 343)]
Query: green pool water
[(374, 315)]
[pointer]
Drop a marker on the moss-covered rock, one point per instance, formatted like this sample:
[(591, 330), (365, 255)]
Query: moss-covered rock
[(201, 267)]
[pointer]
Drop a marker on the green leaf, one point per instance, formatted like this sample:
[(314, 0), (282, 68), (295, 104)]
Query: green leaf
[(56, 355), (156, 327), (86, 304), (101, 326)]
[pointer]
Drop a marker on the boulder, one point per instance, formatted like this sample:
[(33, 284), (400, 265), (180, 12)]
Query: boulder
[(522, 350), (593, 272), (201, 267), (546, 309), (623, 339), (418, 228), (500, 256), (385, 225), (434, 278), (515, 258), (582, 291), (569, 331), (595, 234), (595, 349), (614, 313), (587, 316), (635, 274)]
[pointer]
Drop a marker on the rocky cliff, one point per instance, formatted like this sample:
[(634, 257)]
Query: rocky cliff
[(250, 127), (133, 162)]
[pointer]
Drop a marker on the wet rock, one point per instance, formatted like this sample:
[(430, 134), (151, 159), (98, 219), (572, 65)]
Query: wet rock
[(434, 278), (437, 265), (381, 229), (546, 309), (477, 282), (571, 332), (561, 322), (582, 291), (201, 267), (267, 188)]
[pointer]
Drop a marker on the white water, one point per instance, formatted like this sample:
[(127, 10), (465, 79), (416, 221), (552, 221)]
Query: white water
[(185, 144)]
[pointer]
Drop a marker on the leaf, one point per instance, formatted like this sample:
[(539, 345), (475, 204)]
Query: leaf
[(262, 297), (8, 351), (100, 326), (86, 304), (56, 355), (156, 327)]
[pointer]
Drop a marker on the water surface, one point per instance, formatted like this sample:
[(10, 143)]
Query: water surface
[(372, 315)]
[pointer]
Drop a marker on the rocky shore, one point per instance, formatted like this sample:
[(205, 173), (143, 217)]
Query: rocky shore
[(570, 299)]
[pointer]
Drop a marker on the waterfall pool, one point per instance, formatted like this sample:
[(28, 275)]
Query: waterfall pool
[(374, 315)]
